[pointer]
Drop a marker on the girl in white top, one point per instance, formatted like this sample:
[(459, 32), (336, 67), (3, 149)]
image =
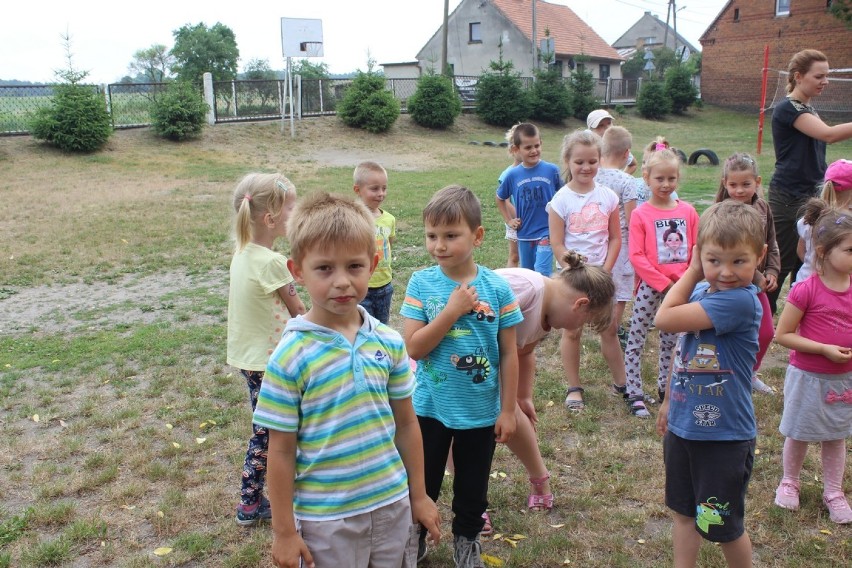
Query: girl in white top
[(583, 216), (261, 290)]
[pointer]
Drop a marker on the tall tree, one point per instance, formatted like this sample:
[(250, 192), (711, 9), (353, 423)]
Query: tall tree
[(842, 10), (199, 49), (154, 63)]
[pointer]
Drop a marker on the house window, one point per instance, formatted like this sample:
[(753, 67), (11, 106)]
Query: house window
[(604, 72), (736, 14), (581, 67), (557, 66), (475, 33), (782, 7)]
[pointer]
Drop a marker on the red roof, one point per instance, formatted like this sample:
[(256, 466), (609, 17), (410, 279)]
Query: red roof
[(571, 35)]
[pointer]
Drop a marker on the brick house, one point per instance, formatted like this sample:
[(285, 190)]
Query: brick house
[(733, 45), (476, 28)]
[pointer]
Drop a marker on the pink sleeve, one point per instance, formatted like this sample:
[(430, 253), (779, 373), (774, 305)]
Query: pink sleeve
[(643, 263)]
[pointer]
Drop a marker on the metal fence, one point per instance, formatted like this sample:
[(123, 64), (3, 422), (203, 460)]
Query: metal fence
[(129, 104)]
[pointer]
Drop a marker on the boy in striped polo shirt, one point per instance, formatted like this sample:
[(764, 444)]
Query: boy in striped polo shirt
[(459, 326), (345, 451)]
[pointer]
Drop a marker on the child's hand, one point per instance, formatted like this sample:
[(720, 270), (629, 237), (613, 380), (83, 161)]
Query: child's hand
[(527, 407), (837, 354), (425, 512), (288, 551), (505, 427), (462, 300), (515, 223), (663, 418), (760, 281), (695, 262), (771, 282)]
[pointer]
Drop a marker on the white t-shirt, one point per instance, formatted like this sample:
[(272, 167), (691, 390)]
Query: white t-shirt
[(586, 218), (808, 262)]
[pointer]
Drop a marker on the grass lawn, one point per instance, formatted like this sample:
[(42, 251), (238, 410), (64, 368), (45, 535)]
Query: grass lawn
[(122, 431)]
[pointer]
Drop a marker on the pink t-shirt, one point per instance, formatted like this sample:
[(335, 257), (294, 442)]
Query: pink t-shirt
[(661, 242), (528, 286), (825, 319)]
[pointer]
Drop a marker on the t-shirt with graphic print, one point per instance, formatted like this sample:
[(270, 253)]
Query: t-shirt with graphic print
[(661, 242), (586, 218), (385, 231), (710, 392), (457, 383), (530, 189)]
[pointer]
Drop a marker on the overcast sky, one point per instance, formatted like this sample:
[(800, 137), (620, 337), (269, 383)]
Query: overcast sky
[(105, 35)]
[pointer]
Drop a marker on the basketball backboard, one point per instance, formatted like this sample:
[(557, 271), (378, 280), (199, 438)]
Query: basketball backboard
[(301, 37)]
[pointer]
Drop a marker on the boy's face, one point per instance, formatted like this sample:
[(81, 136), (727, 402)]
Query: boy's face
[(336, 280), (602, 126), (729, 268), (452, 245), (373, 189), (529, 150)]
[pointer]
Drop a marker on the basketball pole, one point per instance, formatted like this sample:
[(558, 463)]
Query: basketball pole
[(763, 98), (290, 98)]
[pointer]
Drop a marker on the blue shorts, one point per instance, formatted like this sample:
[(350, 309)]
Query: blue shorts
[(536, 255), (378, 302), (707, 480)]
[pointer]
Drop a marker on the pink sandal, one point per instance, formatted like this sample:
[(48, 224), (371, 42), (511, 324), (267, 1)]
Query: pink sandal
[(539, 501), (487, 528)]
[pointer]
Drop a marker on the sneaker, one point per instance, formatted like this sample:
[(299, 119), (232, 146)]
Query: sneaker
[(787, 496), (637, 407), (250, 516), (467, 553), (622, 337), (839, 510), (759, 386), (422, 549)]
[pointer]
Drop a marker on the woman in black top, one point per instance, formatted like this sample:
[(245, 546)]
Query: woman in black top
[(799, 137)]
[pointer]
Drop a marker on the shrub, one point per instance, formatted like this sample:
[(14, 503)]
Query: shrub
[(76, 120), (179, 113), (680, 89), (653, 102), (550, 100), (500, 96), (367, 104), (435, 103), (582, 89)]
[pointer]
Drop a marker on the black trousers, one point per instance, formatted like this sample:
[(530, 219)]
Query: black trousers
[(473, 451), (786, 212)]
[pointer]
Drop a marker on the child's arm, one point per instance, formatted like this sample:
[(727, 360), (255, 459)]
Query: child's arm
[(507, 211), (800, 249), (288, 548), (556, 227), (291, 299), (506, 424), (409, 443), (629, 207), (663, 413), (677, 313), (422, 338), (785, 334), (614, 245)]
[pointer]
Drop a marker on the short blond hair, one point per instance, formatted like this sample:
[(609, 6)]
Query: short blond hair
[(365, 168), (616, 141), (324, 221), (729, 224), (452, 204)]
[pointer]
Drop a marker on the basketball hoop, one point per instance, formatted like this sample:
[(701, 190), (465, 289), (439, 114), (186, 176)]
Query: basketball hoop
[(311, 48)]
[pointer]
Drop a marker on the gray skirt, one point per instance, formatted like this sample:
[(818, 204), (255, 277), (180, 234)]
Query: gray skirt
[(817, 406)]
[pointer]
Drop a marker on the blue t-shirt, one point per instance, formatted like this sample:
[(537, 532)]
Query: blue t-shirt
[(457, 383), (710, 395), (530, 189)]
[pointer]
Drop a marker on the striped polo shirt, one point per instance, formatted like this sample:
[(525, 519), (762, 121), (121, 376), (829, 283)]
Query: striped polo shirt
[(336, 397)]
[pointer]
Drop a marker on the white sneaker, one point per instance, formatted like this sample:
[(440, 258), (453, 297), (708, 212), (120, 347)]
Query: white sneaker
[(760, 386)]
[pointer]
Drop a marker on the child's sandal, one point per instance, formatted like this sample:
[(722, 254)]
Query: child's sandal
[(575, 405), (487, 528), (539, 501)]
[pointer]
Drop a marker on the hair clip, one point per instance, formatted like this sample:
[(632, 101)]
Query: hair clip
[(660, 146), (247, 197), (281, 185), (840, 219)]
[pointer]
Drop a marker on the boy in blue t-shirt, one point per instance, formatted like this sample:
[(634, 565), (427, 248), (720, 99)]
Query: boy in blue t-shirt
[(707, 416), (530, 186), (459, 326)]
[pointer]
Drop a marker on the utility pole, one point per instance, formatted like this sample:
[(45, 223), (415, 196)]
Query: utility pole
[(534, 40), (444, 38), (674, 18), (666, 34)]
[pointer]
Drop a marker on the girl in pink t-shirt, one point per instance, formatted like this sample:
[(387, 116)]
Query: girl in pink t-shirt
[(815, 324), (662, 234)]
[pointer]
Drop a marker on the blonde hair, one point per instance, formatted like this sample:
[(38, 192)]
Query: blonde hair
[(325, 222), (593, 282), (510, 140), (829, 193), (737, 162), (256, 195), (365, 168), (729, 224), (657, 152), (452, 204), (616, 141), (801, 63), (583, 137)]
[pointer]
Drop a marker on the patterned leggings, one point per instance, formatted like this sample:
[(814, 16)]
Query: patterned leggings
[(645, 307), (254, 468)]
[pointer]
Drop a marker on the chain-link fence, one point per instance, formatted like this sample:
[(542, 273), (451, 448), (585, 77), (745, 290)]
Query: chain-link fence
[(130, 104)]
